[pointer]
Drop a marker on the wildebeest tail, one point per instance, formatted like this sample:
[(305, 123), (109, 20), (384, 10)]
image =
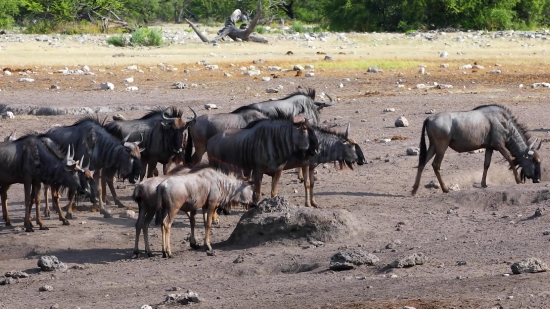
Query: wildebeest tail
[(189, 146), (136, 196), (423, 150), (161, 212)]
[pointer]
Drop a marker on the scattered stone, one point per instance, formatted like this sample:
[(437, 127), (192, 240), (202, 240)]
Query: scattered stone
[(182, 299), (107, 86), (444, 86), (128, 80), (465, 67), (409, 261), (252, 73), (444, 65), (389, 110), (309, 67), (273, 68), (8, 115), (55, 87), (50, 263), (420, 86), (130, 214), (444, 54), (310, 74), (530, 265), (413, 151), (461, 263), (56, 306), (422, 70), (180, 85), (145, 307), (132, 67), (272, 90), (132, 88), (227, 74), (15, 274), (431, 111), (385, 140), (298, 68), (46, 288), (407, 307), (479, 67), (494, 72), (210, 106), (119, 117), (239, 259), (211, 67), (374, 70), (401, 122), (6, 281), (7, 73), (541, 85), (26, 80), (266, 78), (348, 260), (328, 58), (258, 61)]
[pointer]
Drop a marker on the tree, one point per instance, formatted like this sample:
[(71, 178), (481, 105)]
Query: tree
[(8, 10)]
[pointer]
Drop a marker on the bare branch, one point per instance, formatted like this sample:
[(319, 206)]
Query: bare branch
[(202, 37)]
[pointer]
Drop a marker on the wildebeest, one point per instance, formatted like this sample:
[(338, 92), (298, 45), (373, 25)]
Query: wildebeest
[(206, 189), (492, 127), (286, 108), (161, 132), (88, 189), (30, 161), (333, 146), (264, 146), (105, 152)]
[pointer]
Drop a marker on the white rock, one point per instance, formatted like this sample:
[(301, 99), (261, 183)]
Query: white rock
[(132, 67), (8, 115), (478, 67), (211, 67), (128, 80), (266, 78), (8, 73), (271, 90), (444, 54), (422, 70), (494, 72), (130, 214), (210, 106), (444, 86), (310, 74), (465, 67), (107, 86), (444, 65), (132, 88), (454, 187), (413, 151), (541, 85), (252, 73), (389, 110), (341, 85), (244, 69), (385, 140), (26, 80), (309, 67), (401, 122), (298, 68), (273, 68), (85, 68), (420, 86), (520, 86), (227, 74), (145, 307)]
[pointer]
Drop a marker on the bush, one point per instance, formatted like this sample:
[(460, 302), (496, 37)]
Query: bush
[(146, 37), (117, 40), (298, 27), (260, 29)]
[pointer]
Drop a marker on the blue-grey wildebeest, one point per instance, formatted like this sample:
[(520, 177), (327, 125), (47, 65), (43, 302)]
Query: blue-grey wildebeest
[(31, 162), (206, 189), (162, 135), (492, 127), (105, 152), (263, 147), (286, 108), (333, 147)]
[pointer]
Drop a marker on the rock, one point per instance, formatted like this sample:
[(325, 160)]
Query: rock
[(444, 54), (431, 111), (433, 184), (239, 259), (266, 78), (55, 87), (374, 70), (119, 117), (210, 106), (454, 187), (26, 80), (422, 70), (252, 73), (8, 73), (541, 85), (15, 274), (179, 85), (530, 265), (465, 67), (130, 214), (272, 90), (107, 86), (310, 74), (132, 67), (328, 58), (309, 67), (409, 261), (145, 307), (56, 306), (482, 150), (103, 109), (8, 115), (182, 299), (444, 65), (401, 122), (478, 67), (407, 307), (444, 86), (275, 220), (85, 68), (128, 80), (389, 110), (50, 263), (211, 67), (46, 288), (6, 281), (49, 111), (227, 74), (298, 68), (413, 151), (273, 68), (132, 88), (494, 72), (348, 260), (385, 140)]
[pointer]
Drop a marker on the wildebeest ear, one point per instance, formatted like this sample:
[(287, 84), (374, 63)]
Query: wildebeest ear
[(299, 119)]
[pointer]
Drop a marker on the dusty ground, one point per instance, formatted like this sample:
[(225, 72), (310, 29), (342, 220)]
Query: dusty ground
[(488, 228)]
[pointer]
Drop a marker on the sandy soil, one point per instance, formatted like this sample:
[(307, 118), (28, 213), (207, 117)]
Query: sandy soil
[(487, 228)]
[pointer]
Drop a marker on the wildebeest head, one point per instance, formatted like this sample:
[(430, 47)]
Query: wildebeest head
[(70, 178), (320, 105), (304, 137), (530, 163), (130, 166), (349, 151), (88, 186), (177, 127)]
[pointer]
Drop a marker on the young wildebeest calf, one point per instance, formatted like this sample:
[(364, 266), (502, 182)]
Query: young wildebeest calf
[(492, 127), (207, 189)]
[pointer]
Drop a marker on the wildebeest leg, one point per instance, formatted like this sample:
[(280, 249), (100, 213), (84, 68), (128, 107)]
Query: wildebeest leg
[(210, 209), (151, 168), (192, 222), (113, 192), (100, 188), (167, 253), (104, 192), (55, 202), (486, 164), (70, 210), (36, 197), (429, 155), (47, 205), (274, 182), (506, 154), (166, 167), (4, 197), (27, 187), (300, 174), (200, 149), (139, 225), (143, 169), (312, 183), (148, 220), (307, 184), (258, 175), (215, 219), (436, 164)]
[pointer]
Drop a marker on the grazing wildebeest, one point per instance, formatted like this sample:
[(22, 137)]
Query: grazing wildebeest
[(263, 147), (492, 127), (206, 189), (333, 146), (30, 161), (105, 152), (88, 189), (286, 108), (162, 135)]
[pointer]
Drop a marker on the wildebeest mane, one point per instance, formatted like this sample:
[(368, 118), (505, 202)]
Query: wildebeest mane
[(523, 130), (175, 112), (94, 119), (329, 131), (309, 93)]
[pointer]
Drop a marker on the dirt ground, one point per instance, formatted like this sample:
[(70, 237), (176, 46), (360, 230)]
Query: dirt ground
[(488, 228)]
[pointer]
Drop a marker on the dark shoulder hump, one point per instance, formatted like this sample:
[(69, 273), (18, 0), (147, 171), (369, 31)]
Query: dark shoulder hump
[(173, 113), (521, 127)]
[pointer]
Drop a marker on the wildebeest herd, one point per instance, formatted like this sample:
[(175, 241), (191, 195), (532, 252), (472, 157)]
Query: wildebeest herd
[(241, 146)]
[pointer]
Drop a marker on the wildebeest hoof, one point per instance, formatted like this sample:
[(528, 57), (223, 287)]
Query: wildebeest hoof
[(66, 222), (150, 254), (105, 213), (120, 205), (44, 228), (195, 246), (46, 215), (8, 223), (210, 252), (215, 223), (29, 229), (70, 216)]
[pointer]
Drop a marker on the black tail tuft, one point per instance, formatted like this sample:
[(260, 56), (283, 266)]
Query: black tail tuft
[(423, 150), (189, 147)]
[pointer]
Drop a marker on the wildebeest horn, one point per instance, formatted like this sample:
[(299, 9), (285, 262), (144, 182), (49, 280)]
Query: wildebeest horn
[(81, 160), (68, 158), (532, 144), (164, 114), (347, 130), (126, 138), (331, 102), (540, 144), (141, 149), (137, 143), (191, 122)]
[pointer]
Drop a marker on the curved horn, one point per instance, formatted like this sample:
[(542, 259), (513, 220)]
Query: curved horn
[(137, 143), (164, 114), (81, 160), (533, 144), (68, 157), (540, 144), (191, 122), (347, 130), (126, 138), (331, 101)]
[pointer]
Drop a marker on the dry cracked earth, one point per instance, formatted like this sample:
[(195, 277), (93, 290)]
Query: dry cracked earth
[(488, 229)]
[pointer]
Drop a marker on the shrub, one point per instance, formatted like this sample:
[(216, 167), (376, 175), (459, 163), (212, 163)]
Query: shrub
[(260, 29), (298, 27), (117, 40), (146, 37)]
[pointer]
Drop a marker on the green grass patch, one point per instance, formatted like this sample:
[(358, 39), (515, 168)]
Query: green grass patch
[(260, 29), (117, 40), (298, 27), (364, 65), (146, 37)]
